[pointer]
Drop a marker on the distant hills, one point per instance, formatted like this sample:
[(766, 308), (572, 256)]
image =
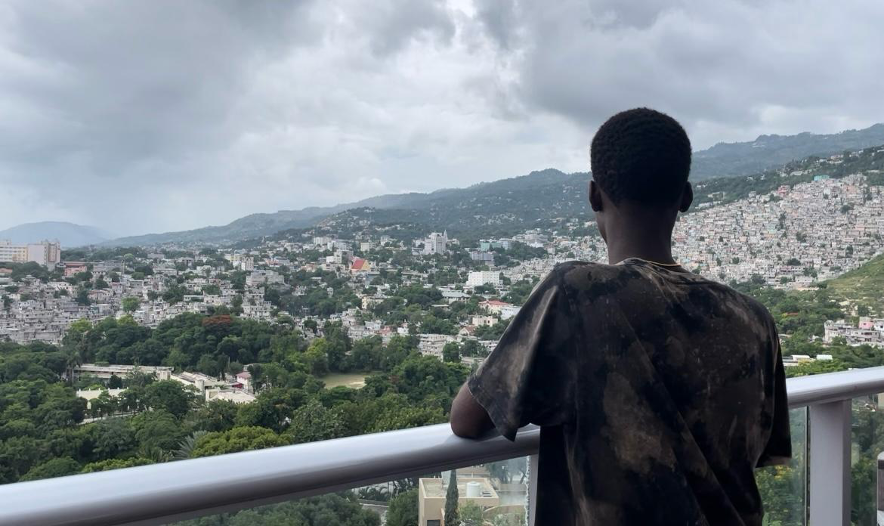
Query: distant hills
[(520, 202), (68, 234), (744, 158)]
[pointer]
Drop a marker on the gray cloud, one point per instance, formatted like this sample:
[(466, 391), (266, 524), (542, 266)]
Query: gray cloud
[(160, 115), (742, 65)]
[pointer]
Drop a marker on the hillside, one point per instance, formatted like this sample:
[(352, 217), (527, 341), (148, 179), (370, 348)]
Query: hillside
[(743, 158), (68, 234), (862, 286), (519, 201), (541, 198), (547, 200)]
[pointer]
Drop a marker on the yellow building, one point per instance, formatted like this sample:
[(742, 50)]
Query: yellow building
[(45, 253), (431, 497)]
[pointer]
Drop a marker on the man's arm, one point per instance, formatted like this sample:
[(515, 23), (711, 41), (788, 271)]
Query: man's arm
[(468, 418), (527, 376)]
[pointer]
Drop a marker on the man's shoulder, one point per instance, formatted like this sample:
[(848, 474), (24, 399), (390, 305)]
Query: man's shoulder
[(597, 279), (750, 304)]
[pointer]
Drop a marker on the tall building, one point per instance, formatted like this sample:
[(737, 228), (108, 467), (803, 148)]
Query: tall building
[(437, 243), (483, 277), (243, 262), (46, 253)]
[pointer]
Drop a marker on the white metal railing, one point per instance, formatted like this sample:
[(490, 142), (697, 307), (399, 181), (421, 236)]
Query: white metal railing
[(161, 493)]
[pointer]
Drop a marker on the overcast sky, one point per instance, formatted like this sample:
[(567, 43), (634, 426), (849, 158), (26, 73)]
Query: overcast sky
[(149, 116)]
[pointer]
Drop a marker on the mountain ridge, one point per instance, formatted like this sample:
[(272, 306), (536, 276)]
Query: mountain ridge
[(768, 150), (723, 159), (68, 234)]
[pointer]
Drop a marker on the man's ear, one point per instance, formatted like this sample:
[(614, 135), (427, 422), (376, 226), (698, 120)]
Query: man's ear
[(687, 197), (595, 197)]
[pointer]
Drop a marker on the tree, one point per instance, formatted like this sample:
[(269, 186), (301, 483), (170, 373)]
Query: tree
[(313, 422), (473, 348), (470, 514), (217, 415), (337, 509), (115, 382), (451, 501), (451, 352), (316, 357), (237, 439), (157, 430), (130, 304), (188, 444), (403, 510), (115, 463), (170, 396), (83, 296), (115, 438), (366, 354), (57, 467)]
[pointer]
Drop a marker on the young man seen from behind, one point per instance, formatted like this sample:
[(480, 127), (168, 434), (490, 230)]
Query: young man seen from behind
[(658, 392)]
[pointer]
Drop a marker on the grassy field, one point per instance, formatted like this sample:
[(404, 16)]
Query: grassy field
[(863, 286), (353, 380)]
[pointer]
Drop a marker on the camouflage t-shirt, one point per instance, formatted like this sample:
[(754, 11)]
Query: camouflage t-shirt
[(658, 392)]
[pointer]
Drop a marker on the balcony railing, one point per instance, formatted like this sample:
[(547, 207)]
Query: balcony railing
[(161, 493)]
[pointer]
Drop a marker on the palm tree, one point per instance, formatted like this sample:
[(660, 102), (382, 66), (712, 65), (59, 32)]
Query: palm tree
[(188, 444)]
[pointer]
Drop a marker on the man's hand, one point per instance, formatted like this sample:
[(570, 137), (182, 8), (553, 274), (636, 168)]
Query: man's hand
[(468, 418)]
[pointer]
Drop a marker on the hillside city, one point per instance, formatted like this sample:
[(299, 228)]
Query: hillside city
[(790, 239), (358, 325)]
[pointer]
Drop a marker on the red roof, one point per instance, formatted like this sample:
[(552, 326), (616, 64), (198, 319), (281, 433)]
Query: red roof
[(359, 264)]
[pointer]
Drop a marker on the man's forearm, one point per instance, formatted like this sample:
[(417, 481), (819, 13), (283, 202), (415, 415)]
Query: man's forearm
[(468, 418)]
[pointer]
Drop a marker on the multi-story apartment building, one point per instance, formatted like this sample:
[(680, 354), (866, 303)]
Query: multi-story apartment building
[(46, 253), (484, 277)]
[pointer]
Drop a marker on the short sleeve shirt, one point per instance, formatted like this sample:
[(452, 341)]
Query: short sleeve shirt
[(658, 393)]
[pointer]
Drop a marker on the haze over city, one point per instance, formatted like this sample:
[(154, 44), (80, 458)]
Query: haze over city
[(151, 117)]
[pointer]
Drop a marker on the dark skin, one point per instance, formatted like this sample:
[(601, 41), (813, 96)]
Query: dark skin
[(631, 230)]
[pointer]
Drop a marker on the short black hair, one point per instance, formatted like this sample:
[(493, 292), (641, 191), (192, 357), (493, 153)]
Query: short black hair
[(641, 155)]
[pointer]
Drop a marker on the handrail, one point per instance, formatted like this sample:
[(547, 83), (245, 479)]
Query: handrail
[(171, 491), (161, 493), (832, 387)]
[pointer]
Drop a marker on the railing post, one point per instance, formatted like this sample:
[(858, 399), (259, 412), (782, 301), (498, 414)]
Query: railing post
[(532, 488), (880, 498), (829, 464)]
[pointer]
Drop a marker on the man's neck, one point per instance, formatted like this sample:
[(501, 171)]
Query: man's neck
[(640, 243), (646, 253)]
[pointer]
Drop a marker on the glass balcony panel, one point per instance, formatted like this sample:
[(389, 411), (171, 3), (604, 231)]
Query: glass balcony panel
[(495, 493), (867, 443), (784, 488)]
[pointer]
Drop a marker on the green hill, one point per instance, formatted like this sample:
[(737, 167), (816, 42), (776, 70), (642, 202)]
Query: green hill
[(863, 286), (768, 151), (723, 173)]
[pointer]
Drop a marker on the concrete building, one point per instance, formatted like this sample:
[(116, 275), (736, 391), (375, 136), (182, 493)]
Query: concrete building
[(91, 394), (436, 243), (243, 262), (120, 371), (483, 277), (236, 396), (46, 253), (432, 491)]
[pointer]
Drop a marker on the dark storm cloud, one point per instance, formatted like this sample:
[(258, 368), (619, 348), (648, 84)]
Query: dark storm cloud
[(729, 63), (158, 115), (118, 82)]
